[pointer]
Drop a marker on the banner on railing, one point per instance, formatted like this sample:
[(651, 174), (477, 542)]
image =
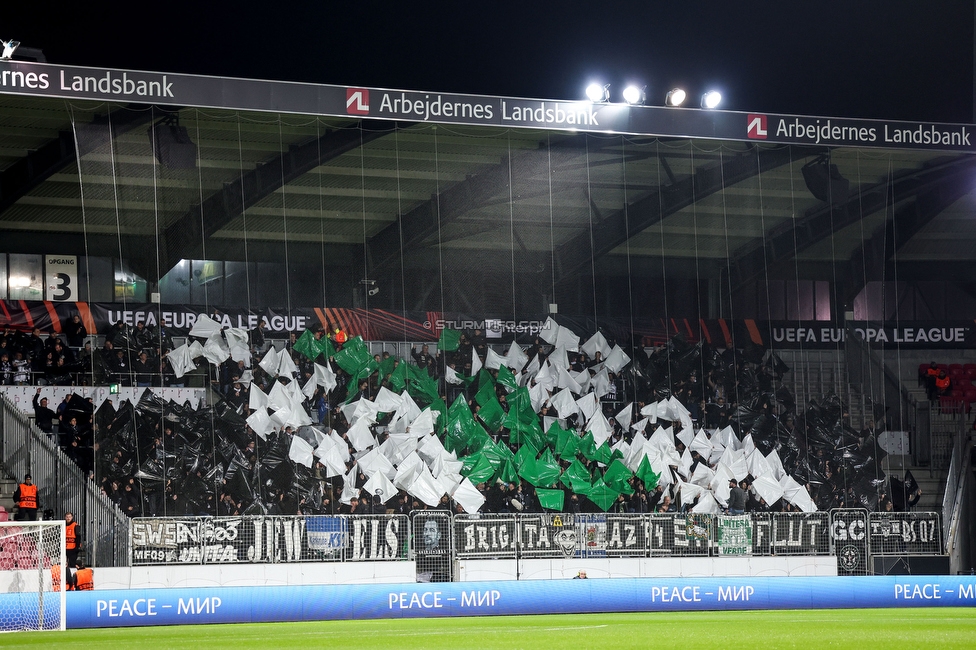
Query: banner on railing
[(272, 539), (434, 537), (734, 535), (905, 533)]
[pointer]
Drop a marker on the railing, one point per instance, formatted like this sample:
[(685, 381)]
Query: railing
[(957, 507), (435, 538), (62, 487), (866, 368)]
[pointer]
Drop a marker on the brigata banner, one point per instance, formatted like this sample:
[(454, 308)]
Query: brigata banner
[(125, 608), (272, 539), (183, 90)]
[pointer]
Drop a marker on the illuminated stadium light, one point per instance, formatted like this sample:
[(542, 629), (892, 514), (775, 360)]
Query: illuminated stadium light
[(635, 95), (598, 93), (676, 97), (8, 49), (711, 99)]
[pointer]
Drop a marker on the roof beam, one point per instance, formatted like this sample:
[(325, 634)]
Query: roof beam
[(185, 238), (620, 225), (869, 261), (786, 241), (39, 164)]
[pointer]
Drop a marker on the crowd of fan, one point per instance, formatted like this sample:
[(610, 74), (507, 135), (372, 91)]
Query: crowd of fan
[(719, 388)]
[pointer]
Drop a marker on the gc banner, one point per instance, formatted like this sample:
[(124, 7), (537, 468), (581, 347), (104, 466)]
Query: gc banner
[(849, 534)]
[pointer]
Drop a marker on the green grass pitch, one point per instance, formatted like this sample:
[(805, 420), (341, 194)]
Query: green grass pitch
[(864, 629)]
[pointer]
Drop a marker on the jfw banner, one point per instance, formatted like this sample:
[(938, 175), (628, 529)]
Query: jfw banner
[(735, 535), (228, 540)]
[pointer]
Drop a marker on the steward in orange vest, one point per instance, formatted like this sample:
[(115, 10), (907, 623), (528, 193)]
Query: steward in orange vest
[(84, 579), (25, 496), (72, 539)]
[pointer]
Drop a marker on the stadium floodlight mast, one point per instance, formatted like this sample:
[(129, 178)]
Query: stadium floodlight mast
[(635, 95), (675, 97), (598, 93), (711, 99), (8, 49)]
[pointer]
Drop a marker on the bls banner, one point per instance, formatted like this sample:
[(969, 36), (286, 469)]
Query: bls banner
[(223, 540)]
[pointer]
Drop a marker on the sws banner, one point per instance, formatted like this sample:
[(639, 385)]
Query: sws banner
[(137, 607), (382, 325)]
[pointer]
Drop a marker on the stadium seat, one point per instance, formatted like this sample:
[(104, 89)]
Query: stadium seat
[(955, 370), (948, 404), (969, 394), (4, 515), (969, 369)]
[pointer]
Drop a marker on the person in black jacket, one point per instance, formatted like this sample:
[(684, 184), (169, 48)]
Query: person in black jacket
[(43, 416)]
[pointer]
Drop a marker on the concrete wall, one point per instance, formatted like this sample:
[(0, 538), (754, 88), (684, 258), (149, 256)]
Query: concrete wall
[(548, 569)]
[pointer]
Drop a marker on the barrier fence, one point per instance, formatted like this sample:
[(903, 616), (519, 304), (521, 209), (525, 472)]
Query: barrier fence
[(62, 487), (435, 539)]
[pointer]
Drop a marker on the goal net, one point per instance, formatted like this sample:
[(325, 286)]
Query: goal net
[(32, 590)]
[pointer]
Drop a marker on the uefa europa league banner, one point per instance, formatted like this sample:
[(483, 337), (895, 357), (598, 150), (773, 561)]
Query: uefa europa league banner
[(382, 325)]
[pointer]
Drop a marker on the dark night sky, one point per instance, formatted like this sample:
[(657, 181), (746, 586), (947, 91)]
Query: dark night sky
[(856, 58)]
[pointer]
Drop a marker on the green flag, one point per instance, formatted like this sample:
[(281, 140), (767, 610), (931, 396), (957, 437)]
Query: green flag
[(507, 472), (387, 366), (567, 444), (449, 341), (308, 346), (647, 475), (398, 378), (482, 470), (617, 476), (602, 495), (587, 446), (485, 394), (353, 355), (550, 499), (492, 414), (524, 454), (547, 469), (507, 379), (576, 478)]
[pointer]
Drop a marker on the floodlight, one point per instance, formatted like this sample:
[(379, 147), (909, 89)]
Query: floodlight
[(635, 95), (676, 97), (8, 49), (598, 93), (711, 99)]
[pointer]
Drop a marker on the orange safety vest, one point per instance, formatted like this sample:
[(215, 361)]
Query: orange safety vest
[(942, 383), (932, 372), (84, 580), (340, 336), (28, 496), (71, 536)]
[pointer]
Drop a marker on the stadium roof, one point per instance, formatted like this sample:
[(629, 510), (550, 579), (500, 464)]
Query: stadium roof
[(656, 184)]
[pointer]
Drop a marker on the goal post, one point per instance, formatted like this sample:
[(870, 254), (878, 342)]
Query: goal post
[(32, 575)]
